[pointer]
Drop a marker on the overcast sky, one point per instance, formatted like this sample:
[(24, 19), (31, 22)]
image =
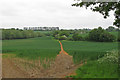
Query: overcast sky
[(55, 13)]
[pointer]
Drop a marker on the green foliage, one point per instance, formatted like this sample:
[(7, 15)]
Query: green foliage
[(47, 34), (71, 35), (110, 57), (107, 37), (55, 33), (104, 8), (110, 29), (62, 33), (101, 35), (77, 37), (115, 33), (0, 34), (94, 69), (62, 37), (70, 39), (118, 39), (105, 67), (19, 34), (95, 34)]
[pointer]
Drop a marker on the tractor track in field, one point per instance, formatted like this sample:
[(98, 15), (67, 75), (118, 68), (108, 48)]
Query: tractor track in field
[(63, 66)]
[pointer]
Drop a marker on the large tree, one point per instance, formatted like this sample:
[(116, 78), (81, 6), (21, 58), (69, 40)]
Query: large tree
[(104, 8)]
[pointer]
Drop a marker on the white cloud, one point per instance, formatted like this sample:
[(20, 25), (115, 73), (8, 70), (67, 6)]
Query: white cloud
[(20, 13)]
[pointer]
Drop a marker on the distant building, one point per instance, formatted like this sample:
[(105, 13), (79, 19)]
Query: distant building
[(41, 28)]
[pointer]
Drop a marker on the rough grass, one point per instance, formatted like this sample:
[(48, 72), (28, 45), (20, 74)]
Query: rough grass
[(105, 67), (98, 70)]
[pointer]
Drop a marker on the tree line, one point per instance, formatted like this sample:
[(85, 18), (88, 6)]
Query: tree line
[(97, 35), (8, 34)]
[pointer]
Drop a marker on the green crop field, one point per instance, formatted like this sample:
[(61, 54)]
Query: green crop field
[(48, 47), (88, 50), (32, 48)]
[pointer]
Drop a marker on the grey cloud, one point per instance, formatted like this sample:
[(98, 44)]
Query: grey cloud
[(20, 13)]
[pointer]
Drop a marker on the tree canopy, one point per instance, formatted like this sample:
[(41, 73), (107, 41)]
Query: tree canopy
[(8, 34), (100, 35), (104, 8)]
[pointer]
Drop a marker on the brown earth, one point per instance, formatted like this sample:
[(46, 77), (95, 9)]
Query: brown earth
[(59, 68), (10, 70)]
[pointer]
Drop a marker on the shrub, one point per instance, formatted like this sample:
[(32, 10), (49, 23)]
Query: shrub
[(47, 34), (118, 37), (101, 35), (106, 37), (62, 37), (55, 33), (64, 33), (111, 57), (77, 37), (86, 38), (56, 36), (70, 38)]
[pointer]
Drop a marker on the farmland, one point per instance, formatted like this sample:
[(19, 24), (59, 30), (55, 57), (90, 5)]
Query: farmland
[(54, 39), (48, 48), (32, 48), (88, 50)]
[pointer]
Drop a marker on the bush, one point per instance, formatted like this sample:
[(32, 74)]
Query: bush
[(55, 33), (47, 34), (70, 39), (64, 33), (56, 36), (62, 37), (106, 37), (118, 37), (110, 57), (86, 38), (77, 37), (101, 35)]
